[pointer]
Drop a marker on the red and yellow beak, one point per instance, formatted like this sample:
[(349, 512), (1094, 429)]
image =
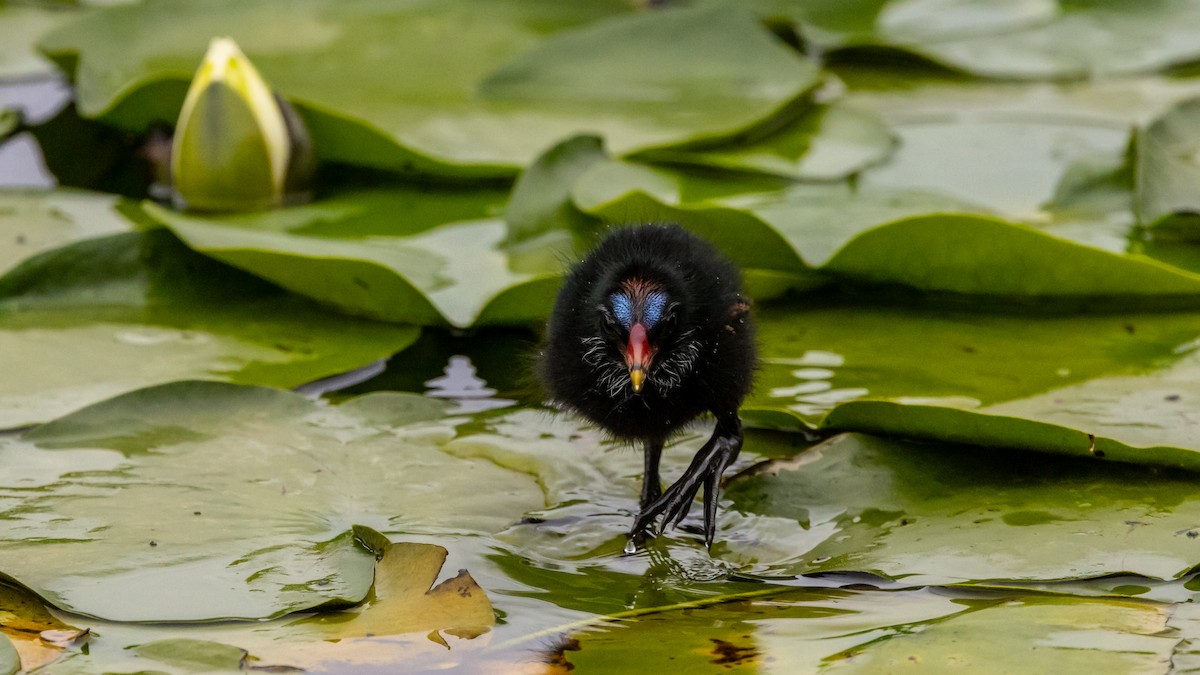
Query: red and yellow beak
[(637, 356)]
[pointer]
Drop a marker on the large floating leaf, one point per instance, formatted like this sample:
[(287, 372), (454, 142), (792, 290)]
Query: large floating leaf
[(256, 492), (879, 236), (452, 88), (1048, 635), (21, 26), (1029, 381), (423, 256), (1167, 170), (958, 514), (829, 142), (803, 629), (34, 221), (1049, 39), (108, 315)]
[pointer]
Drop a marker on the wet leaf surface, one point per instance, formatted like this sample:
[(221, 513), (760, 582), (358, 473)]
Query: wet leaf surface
[(79, 487), (36, 221), (499, 100), (109, 315), (957, 514), (410, 254)]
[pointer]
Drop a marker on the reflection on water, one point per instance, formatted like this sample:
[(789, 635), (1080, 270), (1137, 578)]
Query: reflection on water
[(814, 394), (461, 384)]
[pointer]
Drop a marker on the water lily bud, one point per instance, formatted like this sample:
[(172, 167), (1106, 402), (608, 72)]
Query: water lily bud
[(238, 146)]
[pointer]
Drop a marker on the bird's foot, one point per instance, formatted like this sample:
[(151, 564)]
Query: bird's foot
[(705, 471)]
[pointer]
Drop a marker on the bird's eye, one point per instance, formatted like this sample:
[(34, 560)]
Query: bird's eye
[(609, 325)]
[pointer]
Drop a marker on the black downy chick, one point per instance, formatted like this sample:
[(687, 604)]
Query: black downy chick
[(650, 331)]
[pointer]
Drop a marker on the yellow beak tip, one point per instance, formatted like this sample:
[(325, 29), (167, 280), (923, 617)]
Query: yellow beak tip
[(637, 377)]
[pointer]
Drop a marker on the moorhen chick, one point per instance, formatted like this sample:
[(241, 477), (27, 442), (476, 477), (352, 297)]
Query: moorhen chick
[(649, 331)]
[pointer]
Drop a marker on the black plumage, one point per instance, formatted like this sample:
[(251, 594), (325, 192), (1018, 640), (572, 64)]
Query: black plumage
[(650, 331)]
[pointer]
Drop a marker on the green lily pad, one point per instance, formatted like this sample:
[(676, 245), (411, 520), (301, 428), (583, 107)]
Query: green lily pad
[(1045, 39), (1049, 154), (1049, 635), (259, 489), (21, 26), (544, 227), (34, 221), (828, 142), (10, 660), (1167, 169), (804, 629), (108, 315), (920, 240), (1091, 385), (416, 255), (194, 656), (1048, 39), (953, 514), (452, 88)]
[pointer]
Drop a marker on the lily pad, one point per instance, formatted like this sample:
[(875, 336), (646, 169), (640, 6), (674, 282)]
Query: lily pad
[(34, 221), (954, 514), (482, 89), (39, 637), (1167, 170), (416, 255), (404, 599), (1050, 635), (828, 142), (21, 26), (261, 489), (806, 629), (1111, 386), (1045, 39), (109, 315), (544, 227), (920, 240)]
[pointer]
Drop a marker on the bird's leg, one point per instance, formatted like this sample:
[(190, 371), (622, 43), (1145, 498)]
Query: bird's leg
[(651, 491), (651, 483), (705, 470)]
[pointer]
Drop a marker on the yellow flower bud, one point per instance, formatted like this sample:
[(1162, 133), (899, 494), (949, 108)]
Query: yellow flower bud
[(238, 146)]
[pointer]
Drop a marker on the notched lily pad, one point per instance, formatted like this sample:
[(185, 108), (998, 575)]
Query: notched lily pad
[(259, 488)]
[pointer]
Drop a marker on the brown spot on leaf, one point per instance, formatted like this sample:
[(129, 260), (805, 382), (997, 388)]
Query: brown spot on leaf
[(729, 654)]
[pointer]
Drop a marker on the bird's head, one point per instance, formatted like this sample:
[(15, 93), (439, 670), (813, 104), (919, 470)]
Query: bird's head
[(638, 315)]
